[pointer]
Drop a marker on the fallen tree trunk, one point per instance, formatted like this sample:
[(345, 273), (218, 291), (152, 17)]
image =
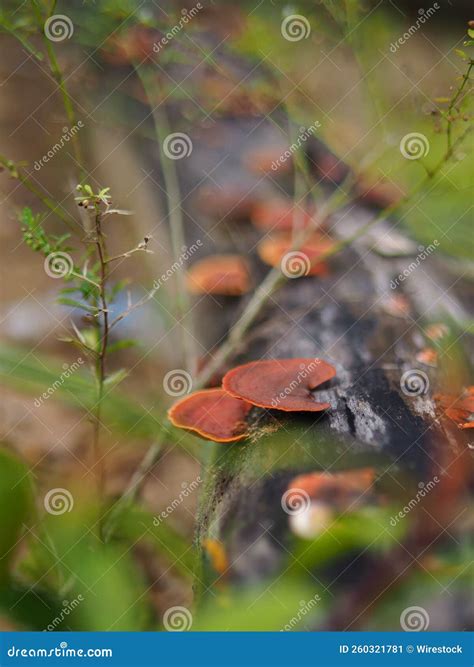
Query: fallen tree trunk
[(369, 317)]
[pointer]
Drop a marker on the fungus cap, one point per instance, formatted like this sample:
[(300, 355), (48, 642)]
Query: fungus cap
[(212, 414), (273, 250), (335, 488), (281, 215), (226, 275), (280, 384)]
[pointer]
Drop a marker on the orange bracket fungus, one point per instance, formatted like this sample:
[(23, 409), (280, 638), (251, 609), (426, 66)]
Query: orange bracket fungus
[(280, 384), (278, 250), (458, 409), (322, 495), (226, 275), (339, 488), (280, 215), (211, 414)]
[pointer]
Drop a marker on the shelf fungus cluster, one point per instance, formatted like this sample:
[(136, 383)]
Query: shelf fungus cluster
[(290, 229), (460, 409), (275, 384)]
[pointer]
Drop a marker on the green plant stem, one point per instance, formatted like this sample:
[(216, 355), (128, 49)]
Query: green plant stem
[(16, 172), (58, 77), (453, 103), (129, 495), (101, 357), (170, 177)]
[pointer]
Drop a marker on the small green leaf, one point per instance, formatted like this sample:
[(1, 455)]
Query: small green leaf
[(470, 32), (121, 345), (65, 301), (115, 378), (91, 339)]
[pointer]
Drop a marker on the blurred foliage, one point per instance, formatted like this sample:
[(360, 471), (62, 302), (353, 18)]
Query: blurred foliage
[(35, 374), (15, 491)]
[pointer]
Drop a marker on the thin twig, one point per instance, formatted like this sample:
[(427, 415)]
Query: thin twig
[(453, 102), (58, 76), (129, 495), (173, 195), (125, 255), (101, 358), (17, 173)]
